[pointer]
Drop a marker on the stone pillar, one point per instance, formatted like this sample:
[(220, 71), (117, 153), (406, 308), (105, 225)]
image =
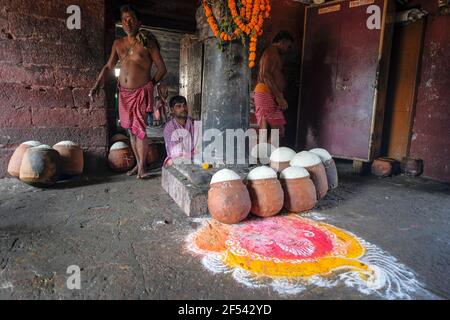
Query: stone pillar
[(226, 87)]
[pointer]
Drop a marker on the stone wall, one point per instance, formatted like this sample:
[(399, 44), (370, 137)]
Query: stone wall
[(46, 71)]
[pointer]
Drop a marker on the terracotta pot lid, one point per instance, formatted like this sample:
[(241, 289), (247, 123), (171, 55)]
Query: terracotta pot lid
[(322, 153), (225, 175), (262, 173), (66, 144), (294, 173), (119, 146), (43, 147), (32, 143), (305, 159), (282, 154)]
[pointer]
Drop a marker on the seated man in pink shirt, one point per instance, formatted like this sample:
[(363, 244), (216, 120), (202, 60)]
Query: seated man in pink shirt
[(179, 133)]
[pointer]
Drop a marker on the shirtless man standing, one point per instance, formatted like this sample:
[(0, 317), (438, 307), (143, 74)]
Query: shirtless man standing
[(269, 98), (137, 52)]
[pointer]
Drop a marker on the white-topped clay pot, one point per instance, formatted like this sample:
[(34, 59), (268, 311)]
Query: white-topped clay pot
[(228, 198), (299, 191), (265, 192), (121, 157), (280, 158), (72, 160), (330, 167), (316, 169)]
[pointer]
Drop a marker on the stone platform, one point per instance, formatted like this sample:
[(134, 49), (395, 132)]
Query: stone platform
[(188, 186)]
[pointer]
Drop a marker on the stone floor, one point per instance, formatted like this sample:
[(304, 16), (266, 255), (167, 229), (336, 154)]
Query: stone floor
[(128, 237)]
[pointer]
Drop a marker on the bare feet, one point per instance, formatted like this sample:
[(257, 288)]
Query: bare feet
[(143, 174), (133, 172)]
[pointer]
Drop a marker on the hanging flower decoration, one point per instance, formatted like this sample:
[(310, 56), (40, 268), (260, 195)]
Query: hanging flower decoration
[(247, 20)]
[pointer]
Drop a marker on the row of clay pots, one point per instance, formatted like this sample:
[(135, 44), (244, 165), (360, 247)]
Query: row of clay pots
[(283, 158), (41, 165), (230, 200), (304, 179)]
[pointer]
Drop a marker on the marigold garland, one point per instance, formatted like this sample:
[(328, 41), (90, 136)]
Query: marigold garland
[(248, 18)]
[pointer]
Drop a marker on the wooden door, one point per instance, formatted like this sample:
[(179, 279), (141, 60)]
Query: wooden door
[(406, 55), (344, 79), (191, 70), (319, 70)]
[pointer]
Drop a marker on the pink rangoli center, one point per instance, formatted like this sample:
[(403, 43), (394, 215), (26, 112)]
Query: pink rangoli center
[(283, 239)]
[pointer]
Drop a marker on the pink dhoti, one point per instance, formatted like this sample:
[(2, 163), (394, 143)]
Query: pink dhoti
[(267, 109), (134, 104)]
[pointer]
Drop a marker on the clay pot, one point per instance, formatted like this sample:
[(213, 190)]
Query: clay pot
[(40, 166), (330, 167), (120, 138), (72, 161), (385, 167), (299, 191), (412, 167), (316, 169), (265, 192), (16, 158), (121, 157), (280, 159), (153, 154), (262, 152), (228, 198)]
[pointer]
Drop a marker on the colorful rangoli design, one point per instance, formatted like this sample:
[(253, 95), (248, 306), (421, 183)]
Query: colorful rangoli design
[(291, 252)]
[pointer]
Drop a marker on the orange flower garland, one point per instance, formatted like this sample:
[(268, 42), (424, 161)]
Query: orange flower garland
[(248, 20)]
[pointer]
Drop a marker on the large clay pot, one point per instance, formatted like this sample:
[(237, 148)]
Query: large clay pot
[(316, 169), (72, 160), (119, 138), (330, 167), (265, 192), (299, 191), (40, 166), (280, 159), (152, 154), (121, 157), (262, 152), (228, 198), (16, 158)]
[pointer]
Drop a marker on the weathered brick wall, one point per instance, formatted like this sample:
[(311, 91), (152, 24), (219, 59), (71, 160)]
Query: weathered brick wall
[(46, 71)]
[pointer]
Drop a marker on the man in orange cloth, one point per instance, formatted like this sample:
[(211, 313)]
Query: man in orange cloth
[(137, 52), (269, 99)]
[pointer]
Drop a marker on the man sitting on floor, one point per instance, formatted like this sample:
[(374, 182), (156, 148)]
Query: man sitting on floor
[(179, 133)]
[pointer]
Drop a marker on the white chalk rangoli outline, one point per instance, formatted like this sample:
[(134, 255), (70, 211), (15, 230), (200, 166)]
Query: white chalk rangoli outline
[(389, 278)]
